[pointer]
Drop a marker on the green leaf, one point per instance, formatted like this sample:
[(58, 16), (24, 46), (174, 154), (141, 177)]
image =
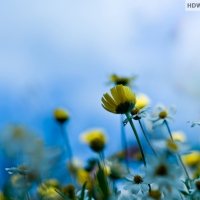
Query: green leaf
[(186, 182), (90, 197), (102, 182), (62, 195), (184, 192), (83, 191)]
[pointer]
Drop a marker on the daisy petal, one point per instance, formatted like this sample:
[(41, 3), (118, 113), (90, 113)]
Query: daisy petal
[(144, 187), (129, 177), (135, 189), (157, 123), (128, 187)]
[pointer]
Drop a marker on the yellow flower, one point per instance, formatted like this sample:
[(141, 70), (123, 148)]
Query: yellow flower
[(95, 138), (142, 101), (196, 173), (121, 80), (192, 159), (47, 189), (70, 191), (83, 176), (2, 196), (17, 181), (61, 115), (122, 101), (178, 135)]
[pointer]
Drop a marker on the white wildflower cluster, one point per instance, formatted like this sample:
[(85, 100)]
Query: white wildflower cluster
[(25, 147), (167, 169)]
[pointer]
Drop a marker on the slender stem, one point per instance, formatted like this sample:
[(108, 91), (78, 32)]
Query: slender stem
[(26, 187), (179, 158), (113, 182), (146, 137), (183, 167), (124, 143), (66, 139), (168, 129), (136, 135), (102, 159), (181, 196)]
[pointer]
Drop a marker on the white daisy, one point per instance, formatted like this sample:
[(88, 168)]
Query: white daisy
[(163, 114), (136, 183), (15, 140), (162, 173), (171, 146)]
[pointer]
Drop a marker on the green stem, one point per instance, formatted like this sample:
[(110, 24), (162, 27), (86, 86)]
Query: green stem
[(183, 167), (146, 137), (136, 135), (168, 129), (26, 187), (124, 143), (102, 159), (113, 182), (179, 158), (66, 139)]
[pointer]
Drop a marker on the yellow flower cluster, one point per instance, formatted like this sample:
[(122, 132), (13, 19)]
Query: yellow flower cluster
[(47, 189)]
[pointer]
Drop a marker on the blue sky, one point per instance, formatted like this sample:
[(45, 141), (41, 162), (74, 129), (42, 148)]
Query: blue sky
[(60, 53)]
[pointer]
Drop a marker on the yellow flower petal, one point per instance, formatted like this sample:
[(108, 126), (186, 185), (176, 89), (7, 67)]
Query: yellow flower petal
[(110, 99)]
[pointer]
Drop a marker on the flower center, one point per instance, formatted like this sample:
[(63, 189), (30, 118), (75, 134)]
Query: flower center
[(97, 145), (22, 167), (135, 111), (198, 185), (161, 170), (138, 179), (172, 145), (69, 190), (18, 133), (155, 194), (124, 107), (122, 82), (163, 114)]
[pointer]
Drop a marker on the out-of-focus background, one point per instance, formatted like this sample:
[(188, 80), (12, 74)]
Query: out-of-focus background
[(61, 53)]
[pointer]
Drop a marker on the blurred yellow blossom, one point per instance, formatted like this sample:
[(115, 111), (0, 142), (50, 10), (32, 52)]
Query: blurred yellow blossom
[(70, 191), (95, 138), (61, 115), (178, 135), (192, 159), (121, 80), (17, 181), (83, 176), (142, 100), (2, 196), (47, 189), (121, 101), (196, 172)]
